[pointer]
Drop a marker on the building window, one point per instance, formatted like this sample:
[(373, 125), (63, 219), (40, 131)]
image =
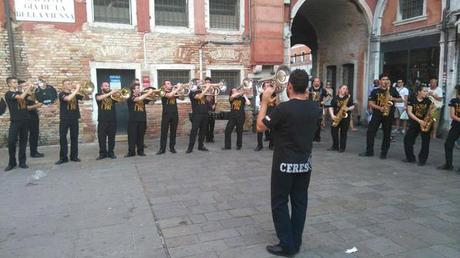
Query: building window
[(410, 8), (175, 76), (224, 14), (331, 75), (112, 11), (171, 13), (348, 76), (232, 78)]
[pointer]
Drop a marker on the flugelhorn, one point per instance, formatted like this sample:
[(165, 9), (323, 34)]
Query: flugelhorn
[(216, 88), (121, 95), (86, 89), (155, 95)]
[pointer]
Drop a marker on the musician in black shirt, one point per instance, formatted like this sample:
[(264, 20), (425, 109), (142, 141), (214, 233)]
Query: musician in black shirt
[(106, 121), (69, 116), (317, 94), (342, 99), (169, 117), (211, 101), (34, 122), (454, 132), (293, 124), (238, 100), (19, 122), (376, 102), (199, 117), (417, 108), (268, 135), (137, 121)]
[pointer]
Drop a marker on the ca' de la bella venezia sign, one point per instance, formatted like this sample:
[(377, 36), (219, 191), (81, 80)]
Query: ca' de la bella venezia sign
[(45, 10)]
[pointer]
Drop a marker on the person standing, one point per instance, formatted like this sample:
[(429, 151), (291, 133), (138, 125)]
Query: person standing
[(454, 132), (342, 101), (69, 116), (169, 117), (211, 102), (401, 108), (260, 135), (137, 120), (19, 122), (199, 116), (293, 124), (238, 100), (317, 93), (436, 93), (382, 114), (106, 121), (34, 122)]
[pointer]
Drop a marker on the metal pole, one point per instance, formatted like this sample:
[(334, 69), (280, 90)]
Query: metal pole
[(10, 35)]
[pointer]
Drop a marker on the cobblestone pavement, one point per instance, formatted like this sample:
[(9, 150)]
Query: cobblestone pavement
[(216, 204)]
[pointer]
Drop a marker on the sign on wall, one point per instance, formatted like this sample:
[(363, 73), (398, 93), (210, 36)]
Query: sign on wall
[(45, 10)]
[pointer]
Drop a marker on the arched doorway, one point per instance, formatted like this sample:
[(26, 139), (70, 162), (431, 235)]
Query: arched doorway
[(337, 32)]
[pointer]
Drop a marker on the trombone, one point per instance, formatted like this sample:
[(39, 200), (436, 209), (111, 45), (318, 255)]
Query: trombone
[(121, 95)]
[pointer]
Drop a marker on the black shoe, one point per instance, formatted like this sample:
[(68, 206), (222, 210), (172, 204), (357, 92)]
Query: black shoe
[(212, 140), (189, 151), (271, 147), (421, 163), (9, 167), (203, 149), (37, 155), (446, 167), (112, 156), (366, 154), (279, 251), (317, 140), (23, 166), (408, 161), (61, 161), (238, 148), (341, 150), (76, 160), (226, 148), (258, 148), (160, 152), (101, 157), (172, 150), (129, 155), (383, 156), (333, 149), (141, 154)]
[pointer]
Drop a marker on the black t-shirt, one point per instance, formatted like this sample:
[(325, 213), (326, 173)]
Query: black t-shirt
[(69, 109), (455, 103), (17, 107), (293, 124), (106, 109), (378, 96), (169, 105), (211, 102), (337, 103), (237, 106), (136, 110), (319, 94), (419, 108), (199, 106), (33, 113)]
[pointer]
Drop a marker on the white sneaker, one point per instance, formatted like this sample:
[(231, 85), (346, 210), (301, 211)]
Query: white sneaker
[(403, 131)]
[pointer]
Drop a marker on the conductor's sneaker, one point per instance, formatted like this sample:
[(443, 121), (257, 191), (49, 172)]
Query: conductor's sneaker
[(279, 250), (141, 154), (172, 150), (61, 161), (203, 149), (23, 165), (160, 152), (112, 156), (446, 167), (37, 155), (9, 167), (258, 148), (76, 160), (366, 154), (189, 151)]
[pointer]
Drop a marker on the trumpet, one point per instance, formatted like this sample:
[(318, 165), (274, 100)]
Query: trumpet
[(155, 95), (183, 89), (279, 80), (86, 89), (121, 95), (216, 88), (247, 87)]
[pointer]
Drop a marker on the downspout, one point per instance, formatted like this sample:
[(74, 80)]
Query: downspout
[(10, 35), (445, 61)]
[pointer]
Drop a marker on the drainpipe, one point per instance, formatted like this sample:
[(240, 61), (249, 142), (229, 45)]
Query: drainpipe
[(445, 28), (10, 35)]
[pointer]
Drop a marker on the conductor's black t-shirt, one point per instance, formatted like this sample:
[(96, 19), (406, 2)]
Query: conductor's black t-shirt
[(106, 109), (69, 109), (17, 107), (293, 124)]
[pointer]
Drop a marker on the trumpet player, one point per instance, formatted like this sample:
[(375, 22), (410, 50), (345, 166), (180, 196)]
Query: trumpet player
[(199, 116), (137, 121), (169, 116), (268, 134), (238, 100), (19, 122), (69, 116), (106, 121), (454, 132), (34, 121), (418, 107), (381, 101), (211, 101), (317, 94), (342, 102)]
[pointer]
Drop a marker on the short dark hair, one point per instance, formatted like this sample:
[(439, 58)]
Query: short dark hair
[(383, 75), (208, 78), (9, 79), (65, 80), (298, 79), (419, 88), (164, 81), (21, 81)]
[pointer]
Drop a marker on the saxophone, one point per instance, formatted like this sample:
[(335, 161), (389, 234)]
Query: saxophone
[(341, 114), (387, 103), (429, 118)]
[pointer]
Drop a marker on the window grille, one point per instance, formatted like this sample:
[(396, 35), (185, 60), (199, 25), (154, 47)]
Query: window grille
[(112, 11), (232, 78), (410, 8), (175, 76), (171, 13), (224, 14)]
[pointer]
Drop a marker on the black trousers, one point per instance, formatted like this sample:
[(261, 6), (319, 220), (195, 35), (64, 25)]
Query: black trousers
[(106, 131), (34, 131), (339, 141), (18, 129), (199, 121), (317, 136), (64, 126), (453, 135), (136, 133), (168, 122), (237, 121), (409, 140), (285, 186), (260, 137), (374, 125), (211, 124)]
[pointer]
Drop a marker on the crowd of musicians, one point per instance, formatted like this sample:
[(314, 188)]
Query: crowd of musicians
[(385, 102)]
